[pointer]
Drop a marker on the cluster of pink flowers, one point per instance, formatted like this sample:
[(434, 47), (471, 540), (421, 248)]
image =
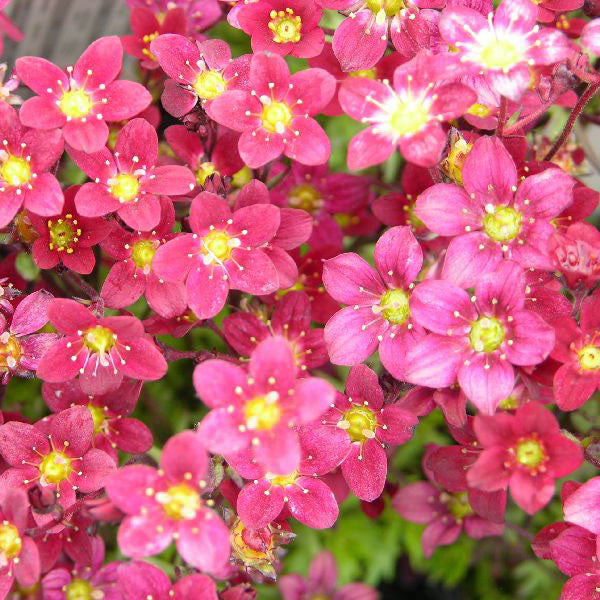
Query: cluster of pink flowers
[(459, 270)]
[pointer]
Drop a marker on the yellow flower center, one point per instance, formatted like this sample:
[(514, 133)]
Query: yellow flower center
[(263, 412), (359, 422), (142, 254), (530, 452), (242, 177), (98, 416), (15, 171), (366, 73), (125, 187), (504, 224), (409, 117), (306, 197), (55, 467), (10, 541), (458, 505), (10, 352), (180, 502), (63, 233), (209, 85), (76, 103), (479, 110), (276, 116), (283, 480), (345, 220), (99, 339), (487, 334), (204, 171), (79, 589), (389, 7), (147, 39), (500, 54), (589, 357), (285, 26), (394, 306), (217, 246)]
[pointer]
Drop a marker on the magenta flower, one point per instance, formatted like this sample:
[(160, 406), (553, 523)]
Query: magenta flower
[(164, 505), (590, 36), (505, 45), (260, 409), (83, 99), (198, 71), (113, 428), (291, 320), (322, 583), (128, 182), (378, 314), (283, 27), (524, 452), (274, 117), (55, 453), (477, 339), (100, 350), (491, 217), (25, 159), (578, 349), (67, 237), (355, 432), (133, 273), (21, 348), (223, 251), (581, 505), (407, 114), (140, 580)]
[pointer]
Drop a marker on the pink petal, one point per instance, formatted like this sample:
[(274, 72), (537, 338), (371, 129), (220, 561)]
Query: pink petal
[(184, 453), (88, 136), (369, 148), (398, 252), (346, 274), (366, 475), (46, 197), (308, 144), (215, 382), (255, 507), (125, 99), (317, 508), (206, 290), (140, 535), (354, 47)]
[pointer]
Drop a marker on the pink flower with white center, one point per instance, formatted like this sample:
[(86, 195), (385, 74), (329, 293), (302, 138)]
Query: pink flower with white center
[(578, 349), (407, 114), (223, 252), (83, 99), (505, 45), (55, 454), (525, 453), (274, 117), (140, 580), (291, 320), (360, 41), (260, 409), (198, 71), (166, 504), (21, 348), (100, 350), (19, 557), (133, 274), (113, 428), (493, 216), (378, 314), (128, 182), (283, 27), (25, 159), (354, 433), (476, 339), (67, 237)]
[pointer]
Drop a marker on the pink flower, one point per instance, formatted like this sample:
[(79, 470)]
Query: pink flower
[(100, 350), (505, 45), (21, 348), (81, 101), (274, 116), (55, 453), (128, 182), (525, 452), (354, 433), (408, 113), (291, 320), (113, 428), (578, 349), (260, 409), (133, 273), (590, 36), (198, 71), (25, 160), (67, 237), (322, 582), (477, 339), (223, 251), (283, 27), (378, 314), (166, 505), (493, 216)]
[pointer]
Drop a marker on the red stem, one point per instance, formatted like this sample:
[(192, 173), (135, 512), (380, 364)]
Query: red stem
[(501, 117)]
